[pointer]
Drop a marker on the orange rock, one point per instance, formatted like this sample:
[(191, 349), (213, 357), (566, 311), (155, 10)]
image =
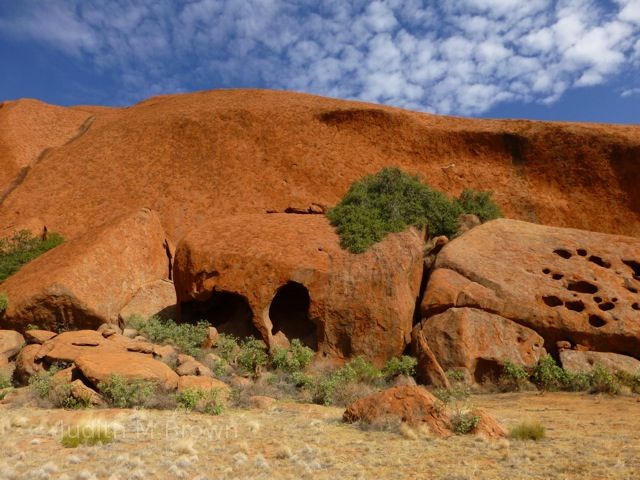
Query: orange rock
[(478, 343), (583, 362), (85, 282), (202, 383), (428, 370), (27, 364), (97, 367), (155, 298), (38, 336), (567, 285), (10, 343), (264, 274), (260, 402), (67, 346)]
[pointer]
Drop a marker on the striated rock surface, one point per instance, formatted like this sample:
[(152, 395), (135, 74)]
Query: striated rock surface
[(266, 274), (85, 282), (567, 285)]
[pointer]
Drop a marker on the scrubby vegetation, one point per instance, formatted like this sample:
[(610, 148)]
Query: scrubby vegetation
[(4, 302), (21, 248), (186, 337), (122, 393), (392, 200), (56, 392), (88, 435), (464, 422), (528, 431), (208, 401)]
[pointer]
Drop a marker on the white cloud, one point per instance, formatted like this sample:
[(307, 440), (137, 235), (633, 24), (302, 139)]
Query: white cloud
[(462, 56)]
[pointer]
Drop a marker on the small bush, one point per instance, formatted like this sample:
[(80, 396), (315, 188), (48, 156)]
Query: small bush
[(479, 204), (201, 400), (186, 337), (464, 422), (42, 383), (21, 248), (514, 377), (5, 382), (227, 348), (603, 381), (56, 393), (404, 365), (121, 393), (4, 302), (88, 435), (353, 380), (548, 376), (528, 431), (252, 356), (294, 359)]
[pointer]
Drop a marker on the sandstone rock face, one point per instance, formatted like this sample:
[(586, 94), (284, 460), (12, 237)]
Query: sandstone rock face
[(415, 407), (155, 298), (97, 367), (85, 282), (265, 274), (567, 285), (10, 343), (479, 343), (583, 362)]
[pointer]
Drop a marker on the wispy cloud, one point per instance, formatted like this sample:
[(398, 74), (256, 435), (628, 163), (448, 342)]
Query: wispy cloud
[(462, 56)]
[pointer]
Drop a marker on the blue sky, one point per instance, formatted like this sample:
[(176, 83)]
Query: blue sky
[(541, 59)]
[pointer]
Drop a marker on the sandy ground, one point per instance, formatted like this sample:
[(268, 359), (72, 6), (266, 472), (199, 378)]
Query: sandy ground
[(588, 437)]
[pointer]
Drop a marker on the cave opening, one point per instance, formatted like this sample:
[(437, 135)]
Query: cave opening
[(289, 314)]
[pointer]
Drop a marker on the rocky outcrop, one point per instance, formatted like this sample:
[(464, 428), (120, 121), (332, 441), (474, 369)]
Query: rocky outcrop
[(86, 282), (417, 408), (38, 336), (10, 343), (566, 285), (280, 274), (478, 343), (155, 298), (585, 361)]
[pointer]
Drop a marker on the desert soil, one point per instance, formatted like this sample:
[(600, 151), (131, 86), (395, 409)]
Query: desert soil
[(588, 437)]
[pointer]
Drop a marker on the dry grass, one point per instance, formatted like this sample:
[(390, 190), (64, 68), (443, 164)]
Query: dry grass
[(587, 437)]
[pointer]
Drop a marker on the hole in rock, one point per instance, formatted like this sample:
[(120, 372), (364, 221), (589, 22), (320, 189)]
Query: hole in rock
[(562, 253), (635, 306), (552, 300), (582, 252), (582, 286), (229, 312), (635, 266), (596, 321), (597, 299), (606, 306), (576, 305), (487, 371), (289, 313), (632, 289), (614, 299), (546, 271), (557, 276), (599, 261)]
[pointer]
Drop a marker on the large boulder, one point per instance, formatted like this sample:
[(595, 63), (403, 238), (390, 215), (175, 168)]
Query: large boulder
[(478, 343), (98, 367), (87, 281), (567, 285), (10, 343), (27, 364), (155, 298), (585, 361), (416, 407), (285, 275)]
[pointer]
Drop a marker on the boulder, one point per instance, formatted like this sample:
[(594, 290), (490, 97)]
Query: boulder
[(81, 392), (585, 361), (566, 284), (10, 343), (27, 364), (264, 274), (88, 280), (479, 343), (191, 367), (67, 346), (97, 367), (155, 298), (417, 408), (38, 336), (428, 370), (202, 383), (261, 402)]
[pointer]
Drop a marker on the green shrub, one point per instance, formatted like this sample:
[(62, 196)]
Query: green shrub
[(252, 356), (464, 422), (456, 376), (4, 302), (603, 381), (514, 377), (387, 202), (227, 348), (57, 393), (121, 393), (294, 359), (21, 248), (547, 375), (405, 365), (87, 435), (577, 381), (186, 337), (42, 383), (479, 204), (528, 431), (358, 374), (202, 400), (5, 382)]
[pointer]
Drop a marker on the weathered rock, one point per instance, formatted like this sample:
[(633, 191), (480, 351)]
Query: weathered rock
[(81, 392), (10, 343), (38, 336), (261, 402), (108, 329), (155, 298), (583, 362), (262, 274), (212, 338), (86, 281), (97, 367), (27, 364), (194, 368), (130, 333), (415, 407), (466, 222), (428, 370), (565, 284), (478, 343), (203, 383), (67, 346)]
